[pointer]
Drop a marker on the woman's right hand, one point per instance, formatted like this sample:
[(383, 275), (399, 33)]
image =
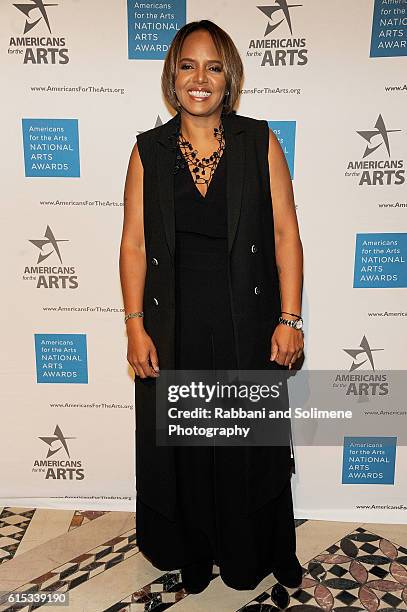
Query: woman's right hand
[(141, 353)]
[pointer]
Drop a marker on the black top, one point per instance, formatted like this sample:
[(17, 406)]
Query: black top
[(196, 213)]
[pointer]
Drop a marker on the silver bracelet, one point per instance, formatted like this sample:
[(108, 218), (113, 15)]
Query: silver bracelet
[(132, 315), (296, 324)]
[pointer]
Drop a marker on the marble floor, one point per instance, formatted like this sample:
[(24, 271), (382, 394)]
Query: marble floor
[(92, 559)]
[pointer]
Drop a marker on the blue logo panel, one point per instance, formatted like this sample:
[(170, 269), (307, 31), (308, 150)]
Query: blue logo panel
[(369, 460), (61, 358), (285, 132), (51, 147), (380, 260), (389, 29), (150, 30)]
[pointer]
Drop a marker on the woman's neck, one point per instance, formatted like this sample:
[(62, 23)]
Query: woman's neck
[(199, 130)]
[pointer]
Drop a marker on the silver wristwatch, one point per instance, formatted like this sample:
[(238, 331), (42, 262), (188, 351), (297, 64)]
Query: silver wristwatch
[(297, 324)]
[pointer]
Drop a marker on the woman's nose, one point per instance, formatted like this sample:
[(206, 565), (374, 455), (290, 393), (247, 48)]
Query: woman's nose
[(201, 75)]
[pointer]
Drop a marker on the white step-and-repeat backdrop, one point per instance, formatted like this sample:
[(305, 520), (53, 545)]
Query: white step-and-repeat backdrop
[(80, 79)]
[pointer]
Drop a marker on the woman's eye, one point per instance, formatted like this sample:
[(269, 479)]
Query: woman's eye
[(212, 68)]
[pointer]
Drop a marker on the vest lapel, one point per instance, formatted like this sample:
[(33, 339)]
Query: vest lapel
[(166, 153), (235, 165)]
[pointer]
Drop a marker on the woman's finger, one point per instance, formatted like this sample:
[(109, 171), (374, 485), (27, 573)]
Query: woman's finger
[(145, 367), (136, 372), (274, 350), (154, 362)]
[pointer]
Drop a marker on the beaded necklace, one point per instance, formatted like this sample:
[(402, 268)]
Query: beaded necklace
[(204, 168)]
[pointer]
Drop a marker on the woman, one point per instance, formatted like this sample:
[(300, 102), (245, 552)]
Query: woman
[(210, 264)]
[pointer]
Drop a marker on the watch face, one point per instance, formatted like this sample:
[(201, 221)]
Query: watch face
[(298, 324)]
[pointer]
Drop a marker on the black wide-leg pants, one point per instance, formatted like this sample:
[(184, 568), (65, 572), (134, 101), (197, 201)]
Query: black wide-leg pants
[(207, 526)]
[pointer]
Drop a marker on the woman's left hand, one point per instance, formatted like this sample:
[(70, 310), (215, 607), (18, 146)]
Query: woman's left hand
[(287, 344)]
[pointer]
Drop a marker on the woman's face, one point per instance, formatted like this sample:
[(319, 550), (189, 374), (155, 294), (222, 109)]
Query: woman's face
[(200, 79)]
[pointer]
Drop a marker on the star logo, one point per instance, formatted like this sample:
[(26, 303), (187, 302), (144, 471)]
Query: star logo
[(364, 349), (158, 122), (269, 11), (35, 5), (48, 240), (57, 437), (380, 131)]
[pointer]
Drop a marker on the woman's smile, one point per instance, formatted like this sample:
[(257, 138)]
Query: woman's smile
[(199, 94)]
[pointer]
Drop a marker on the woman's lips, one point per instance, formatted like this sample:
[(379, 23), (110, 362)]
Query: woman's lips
[(199, 94)]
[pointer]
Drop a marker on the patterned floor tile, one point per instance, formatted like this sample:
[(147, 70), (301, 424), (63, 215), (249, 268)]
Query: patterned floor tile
[(84, 516), (70, 575), (13, 525), (15, 521), (159, 595), (362, 571)]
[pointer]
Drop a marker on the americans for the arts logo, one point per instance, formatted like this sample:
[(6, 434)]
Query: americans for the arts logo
[(282, 43), (37, 43), (58, 463), (378, 165), (50, 271)]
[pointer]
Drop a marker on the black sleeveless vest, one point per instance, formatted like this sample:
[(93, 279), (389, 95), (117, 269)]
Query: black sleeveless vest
[(253, 287)]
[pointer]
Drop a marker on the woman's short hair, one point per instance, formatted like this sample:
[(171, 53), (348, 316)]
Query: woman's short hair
[(232, 63)]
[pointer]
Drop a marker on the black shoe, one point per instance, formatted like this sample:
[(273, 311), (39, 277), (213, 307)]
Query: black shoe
[(280, 596), (196, 576), (289, 572)]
